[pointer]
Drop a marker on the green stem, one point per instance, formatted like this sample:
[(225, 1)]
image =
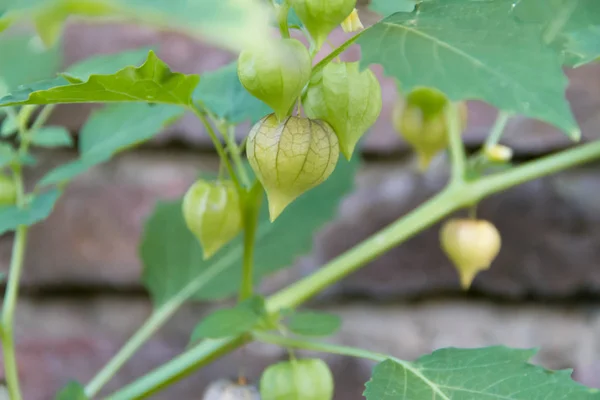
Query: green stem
[(453, 197), (497, 129), (457, 149), (217, 143), (331, 56), (229, 136), (282, 19), (43, 116), (322, 347), (152, 324), (252, 201)]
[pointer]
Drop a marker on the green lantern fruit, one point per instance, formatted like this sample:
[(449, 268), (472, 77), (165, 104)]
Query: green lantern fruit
[(212, 212), (346, 98), (306, 379), (420, 120), (277, 76), (226, 390), (320, 17), (471, 245), (8, 191), (291, 157)]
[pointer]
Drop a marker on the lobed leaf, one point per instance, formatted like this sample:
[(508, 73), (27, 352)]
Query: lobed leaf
[(151, 82), (104, 64), (473, 50), (473, 374), (388, 7)]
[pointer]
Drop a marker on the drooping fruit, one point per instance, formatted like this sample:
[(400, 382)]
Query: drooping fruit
[(346, 98), (320, 17), (226, 390), (212, 212), (471, 245), (277, 76), (306, 379), (291, 157), (420, 120), (8, 191)]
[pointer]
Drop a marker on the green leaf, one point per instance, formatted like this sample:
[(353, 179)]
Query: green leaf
[(222, 93), (23, 60), (233, 24), (105, 64), (152, 82), (119, 126), (51, 136), (473, 374), (473, 50), (9, 156), (313, 323), (230, 321), (10, 124), (37, 210), (572, 27), (293, 19), (68, 171), (172, 257), (72, 391), (388, 7)]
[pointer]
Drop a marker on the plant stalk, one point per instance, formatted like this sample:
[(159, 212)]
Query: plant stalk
[(252, 201)]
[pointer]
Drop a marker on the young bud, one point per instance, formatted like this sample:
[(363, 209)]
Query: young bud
[(291, 157), (420, 120), (471, 245), (276, 77), (320, 17), (212, 212), (346, 98), (8, 191), (306, 379), (227, 390), (498, 153), (352, 22)]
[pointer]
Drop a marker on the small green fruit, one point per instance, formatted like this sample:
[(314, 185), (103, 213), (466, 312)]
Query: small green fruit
[(8, 191), (276, 77), (346, 98), (291, 157), (471, 245), (320, 17), (306, 379), (212, 212), (421, 122)]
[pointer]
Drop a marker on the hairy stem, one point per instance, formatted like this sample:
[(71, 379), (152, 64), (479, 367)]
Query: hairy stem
[(497, 129)]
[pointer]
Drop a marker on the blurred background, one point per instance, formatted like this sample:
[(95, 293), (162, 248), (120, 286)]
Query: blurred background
[(82, 296)]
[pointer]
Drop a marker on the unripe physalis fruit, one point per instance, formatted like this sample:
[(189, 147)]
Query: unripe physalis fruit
[(346, 98), (278, 76), (320, 17), (498, 153), (291, 157), (471, 245), (352, 22), (305, 379), (212, 212), (420, 120), (8, 191), (227, 390)]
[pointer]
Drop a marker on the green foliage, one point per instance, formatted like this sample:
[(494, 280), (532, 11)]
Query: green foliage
[(222, 93), (314, 323), (9, 156), (104, 64), (387, 7), (38, 209), (452, 46), (152, 82), (51, 136), (231, 321), (473, 374), (234, 24), (72, 391), (9, 125), (23, 60), (173, 260)]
